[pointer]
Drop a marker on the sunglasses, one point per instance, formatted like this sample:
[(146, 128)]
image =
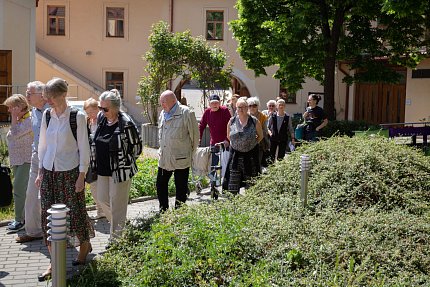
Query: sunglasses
[(104, 109)]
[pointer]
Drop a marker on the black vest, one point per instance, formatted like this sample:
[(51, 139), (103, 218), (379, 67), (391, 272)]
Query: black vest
[(282, 135)]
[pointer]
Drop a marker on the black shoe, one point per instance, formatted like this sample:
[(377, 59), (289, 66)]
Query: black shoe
[(45, 275)]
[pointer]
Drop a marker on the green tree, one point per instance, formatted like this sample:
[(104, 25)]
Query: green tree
[(307, 38), (179, 54)]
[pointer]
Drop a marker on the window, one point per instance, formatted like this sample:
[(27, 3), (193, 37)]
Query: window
[(57, 20), (115, 80), (214, 25), (289, 98), (115, 22)]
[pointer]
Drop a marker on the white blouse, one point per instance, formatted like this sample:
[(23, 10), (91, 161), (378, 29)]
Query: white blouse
[(58, 149)]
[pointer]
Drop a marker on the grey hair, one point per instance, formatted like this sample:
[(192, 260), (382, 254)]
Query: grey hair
[(273, 102), (253, 101), (55, 87), (113, 97), (37, 85)]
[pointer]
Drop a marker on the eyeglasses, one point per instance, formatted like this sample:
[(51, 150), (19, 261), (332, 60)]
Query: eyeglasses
[(30, 93), (253, 106), (271, 106), (104, 109)]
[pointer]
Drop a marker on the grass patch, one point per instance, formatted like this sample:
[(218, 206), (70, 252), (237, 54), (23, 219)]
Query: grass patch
[(366, 225)]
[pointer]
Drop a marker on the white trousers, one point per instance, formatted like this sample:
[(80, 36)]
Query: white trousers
[(113, 198), (93, 188), (32, 201)]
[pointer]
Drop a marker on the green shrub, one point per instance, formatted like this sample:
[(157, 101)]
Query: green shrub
[(366, 225)]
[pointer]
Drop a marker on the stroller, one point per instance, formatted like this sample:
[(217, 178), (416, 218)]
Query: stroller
[(202, 166)]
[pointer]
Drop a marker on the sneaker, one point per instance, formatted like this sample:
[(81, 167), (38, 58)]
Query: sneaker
[(15, 225)]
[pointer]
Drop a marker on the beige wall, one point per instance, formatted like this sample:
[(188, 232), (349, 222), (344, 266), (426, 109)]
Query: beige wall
[(17, 18), (418, 96)]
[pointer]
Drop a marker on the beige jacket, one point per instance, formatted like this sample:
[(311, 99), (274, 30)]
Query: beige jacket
[(179, 139)]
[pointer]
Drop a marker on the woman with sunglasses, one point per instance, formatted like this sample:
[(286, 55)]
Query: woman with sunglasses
[(315, 118), (264, 146), (117, 147)]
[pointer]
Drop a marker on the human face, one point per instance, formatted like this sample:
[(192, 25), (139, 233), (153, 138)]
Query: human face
[(167, 102), (109, 112), (56, 101), (271, 107), (253, 109), (92, 112), (312, 102), (33, 97), (281, 107), (242, 108), (214, 105)]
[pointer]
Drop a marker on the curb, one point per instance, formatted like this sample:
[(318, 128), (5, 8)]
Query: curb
[(93, 207)]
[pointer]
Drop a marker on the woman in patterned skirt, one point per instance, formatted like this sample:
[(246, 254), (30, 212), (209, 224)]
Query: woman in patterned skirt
[(64, 154)]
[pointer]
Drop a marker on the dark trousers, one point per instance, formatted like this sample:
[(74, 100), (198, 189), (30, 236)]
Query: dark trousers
[(281, 151), (181, 184)]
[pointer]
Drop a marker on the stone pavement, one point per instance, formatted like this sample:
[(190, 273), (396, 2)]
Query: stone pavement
[(21, 263)]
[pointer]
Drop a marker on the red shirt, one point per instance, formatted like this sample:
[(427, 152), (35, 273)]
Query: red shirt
[(217, 122)]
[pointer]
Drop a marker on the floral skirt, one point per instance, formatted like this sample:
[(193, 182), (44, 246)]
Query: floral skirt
[(59, 187)]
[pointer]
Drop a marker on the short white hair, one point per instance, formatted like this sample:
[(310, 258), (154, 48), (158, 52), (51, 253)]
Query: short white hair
[(253, 101)]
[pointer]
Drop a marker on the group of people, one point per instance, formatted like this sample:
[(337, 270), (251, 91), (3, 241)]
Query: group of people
[(248, 133), (52, 148)]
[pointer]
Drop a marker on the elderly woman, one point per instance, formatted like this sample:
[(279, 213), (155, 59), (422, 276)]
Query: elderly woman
[(19, 140), (64, 155), (264, 146), (244, 132), (280, 130), (91, 108), (117, 147), (271, 107), (315, 118)]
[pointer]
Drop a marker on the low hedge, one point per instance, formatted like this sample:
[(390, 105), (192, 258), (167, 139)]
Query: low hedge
[(366, 225)]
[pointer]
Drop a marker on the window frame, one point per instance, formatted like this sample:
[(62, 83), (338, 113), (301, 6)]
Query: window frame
[(291, 98), (124, 6), (214, 22), (57, 18), (115, 82), (107, 18)]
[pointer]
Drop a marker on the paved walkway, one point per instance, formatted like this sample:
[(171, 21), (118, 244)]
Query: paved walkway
[(20, 263)]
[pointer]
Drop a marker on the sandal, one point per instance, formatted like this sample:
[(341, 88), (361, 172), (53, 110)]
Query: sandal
[(45, 275), (77, 261)]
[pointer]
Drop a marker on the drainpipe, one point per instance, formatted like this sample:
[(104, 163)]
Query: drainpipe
[(171, 5), (347, 92)]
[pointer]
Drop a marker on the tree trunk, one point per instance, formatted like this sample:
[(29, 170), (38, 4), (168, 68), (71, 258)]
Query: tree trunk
[(329, 70)]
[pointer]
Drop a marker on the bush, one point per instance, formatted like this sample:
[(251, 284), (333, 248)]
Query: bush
[(366, 225)]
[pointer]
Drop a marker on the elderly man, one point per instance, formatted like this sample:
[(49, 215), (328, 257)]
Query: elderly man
[(217, 118), (179, 138), (33, 227)]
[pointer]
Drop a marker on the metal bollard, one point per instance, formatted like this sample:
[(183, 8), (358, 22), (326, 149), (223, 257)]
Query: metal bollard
[(58, 234), (305, 166)]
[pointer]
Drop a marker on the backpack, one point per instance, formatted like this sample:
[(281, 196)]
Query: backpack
[(5, 186), (91, 174), (72, 120)]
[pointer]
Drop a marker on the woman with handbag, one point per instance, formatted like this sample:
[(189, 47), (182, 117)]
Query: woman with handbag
[(118, 143)]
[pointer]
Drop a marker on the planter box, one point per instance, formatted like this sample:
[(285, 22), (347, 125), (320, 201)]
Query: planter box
[(150, 135)]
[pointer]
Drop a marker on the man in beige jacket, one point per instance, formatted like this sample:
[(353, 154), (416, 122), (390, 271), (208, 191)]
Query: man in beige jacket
[(178, 133)]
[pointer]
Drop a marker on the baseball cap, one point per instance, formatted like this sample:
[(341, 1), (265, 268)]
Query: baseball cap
[(214, 98)]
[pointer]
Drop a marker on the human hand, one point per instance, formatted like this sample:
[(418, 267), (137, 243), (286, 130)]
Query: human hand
[(80, 182)]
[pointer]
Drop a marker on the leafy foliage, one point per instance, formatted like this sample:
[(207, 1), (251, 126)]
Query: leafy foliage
[(179, 54), (307, 38), (366, 225)]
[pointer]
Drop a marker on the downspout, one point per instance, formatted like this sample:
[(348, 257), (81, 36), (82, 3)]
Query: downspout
[(347, 92), (171, 15)]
